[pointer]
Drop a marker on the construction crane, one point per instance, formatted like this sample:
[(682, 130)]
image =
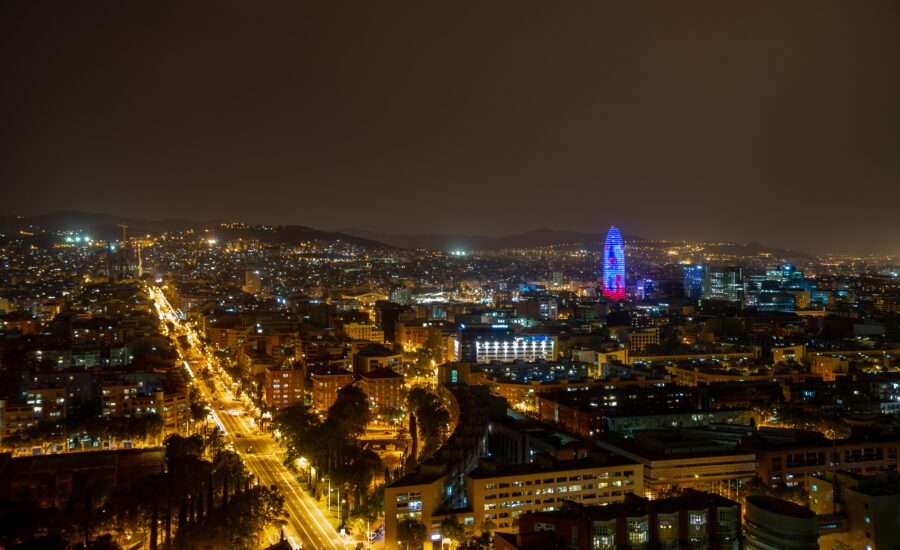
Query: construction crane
[(124, 227)]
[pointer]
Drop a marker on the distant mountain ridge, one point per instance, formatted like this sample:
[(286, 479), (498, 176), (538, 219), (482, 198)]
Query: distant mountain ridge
[(531, 239), (548, 237), (102, 226), (106, 227)]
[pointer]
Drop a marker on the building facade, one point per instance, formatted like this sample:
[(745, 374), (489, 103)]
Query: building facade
[(775, 524), (614, 265), (284, 386), (692, 520), (384, 388), (326, 382)]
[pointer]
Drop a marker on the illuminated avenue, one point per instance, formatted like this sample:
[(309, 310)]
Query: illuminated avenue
[(306, 523)]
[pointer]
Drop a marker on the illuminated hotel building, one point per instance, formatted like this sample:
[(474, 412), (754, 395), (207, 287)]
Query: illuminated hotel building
[(614, 265), (519, 348), (500, 344)]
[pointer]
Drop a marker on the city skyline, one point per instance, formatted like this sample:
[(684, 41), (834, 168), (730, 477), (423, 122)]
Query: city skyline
[(449, 276), (106, 224)]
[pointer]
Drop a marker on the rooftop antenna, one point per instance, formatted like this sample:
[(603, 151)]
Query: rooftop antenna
[(123, 264)]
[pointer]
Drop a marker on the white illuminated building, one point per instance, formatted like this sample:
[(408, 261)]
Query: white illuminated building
[(517, 348)]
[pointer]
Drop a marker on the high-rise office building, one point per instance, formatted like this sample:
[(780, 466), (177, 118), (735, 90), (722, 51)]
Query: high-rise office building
[(694, 280), (614, 265), (725, 283)]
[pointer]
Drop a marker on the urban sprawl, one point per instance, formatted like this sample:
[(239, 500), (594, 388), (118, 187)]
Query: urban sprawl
[(241, 386)]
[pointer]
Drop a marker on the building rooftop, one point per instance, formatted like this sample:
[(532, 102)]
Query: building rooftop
[(376, 351), (491, 469), (670, 445), (328, 370), (381, 372), (779, 506), (635, 506)]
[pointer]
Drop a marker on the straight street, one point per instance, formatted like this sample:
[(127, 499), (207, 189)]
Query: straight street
[(306, 524)]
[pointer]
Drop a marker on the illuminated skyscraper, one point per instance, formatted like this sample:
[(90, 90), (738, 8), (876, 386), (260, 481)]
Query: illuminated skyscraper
[(694, 281), (614, 265)]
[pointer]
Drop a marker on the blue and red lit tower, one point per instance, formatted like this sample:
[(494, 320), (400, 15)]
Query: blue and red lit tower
[(614, 265)]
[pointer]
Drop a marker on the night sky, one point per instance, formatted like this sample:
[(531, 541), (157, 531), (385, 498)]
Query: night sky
[(777, 122)]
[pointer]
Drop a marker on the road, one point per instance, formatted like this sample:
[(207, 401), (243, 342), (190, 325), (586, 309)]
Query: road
[(305, 524)]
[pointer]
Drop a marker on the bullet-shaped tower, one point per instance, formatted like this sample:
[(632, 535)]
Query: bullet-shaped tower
[(614, 265)]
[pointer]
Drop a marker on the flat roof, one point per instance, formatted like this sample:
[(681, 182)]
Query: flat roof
[(511, 470), (672, 446), (779, 506)]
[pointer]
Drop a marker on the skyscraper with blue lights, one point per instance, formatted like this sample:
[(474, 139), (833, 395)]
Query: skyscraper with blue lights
[(694, 281), (614, 265)]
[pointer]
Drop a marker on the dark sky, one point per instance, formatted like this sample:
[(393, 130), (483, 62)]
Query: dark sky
[(777, 122)]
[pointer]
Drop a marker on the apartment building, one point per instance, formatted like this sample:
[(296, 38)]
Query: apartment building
[(671, 458), (362, 331), (326, 382), (384, 388), (692, 520), (285, 385), (795, 456), (499, 494)]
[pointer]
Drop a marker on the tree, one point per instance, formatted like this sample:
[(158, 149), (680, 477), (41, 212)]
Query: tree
[(198, 406), (756, 486), (673, 491), (453, 530), (154, 426), (412, 532), (484, 541), (366, 515), (213, 441), (357, 468), (238, 525), (350, 412), (414, 448), (298, 425), (432, 418)]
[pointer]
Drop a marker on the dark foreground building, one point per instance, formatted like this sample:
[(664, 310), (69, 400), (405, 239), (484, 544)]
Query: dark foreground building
[(56, 481), (693, 520)]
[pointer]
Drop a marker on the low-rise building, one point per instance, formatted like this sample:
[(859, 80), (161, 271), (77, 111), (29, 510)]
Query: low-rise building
[(498, 495), (412, 334), (139, 394), (692, 520), (384, 388), (794, 456), (867, 506), (285, 385), (689, 461), (373, 357), (15, 416), (775, 524), (326, 382), (363, 331), (631, 423), (584, 412), (59, 481)]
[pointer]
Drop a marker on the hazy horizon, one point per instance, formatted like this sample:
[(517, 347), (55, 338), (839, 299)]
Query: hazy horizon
[(706, 121)]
